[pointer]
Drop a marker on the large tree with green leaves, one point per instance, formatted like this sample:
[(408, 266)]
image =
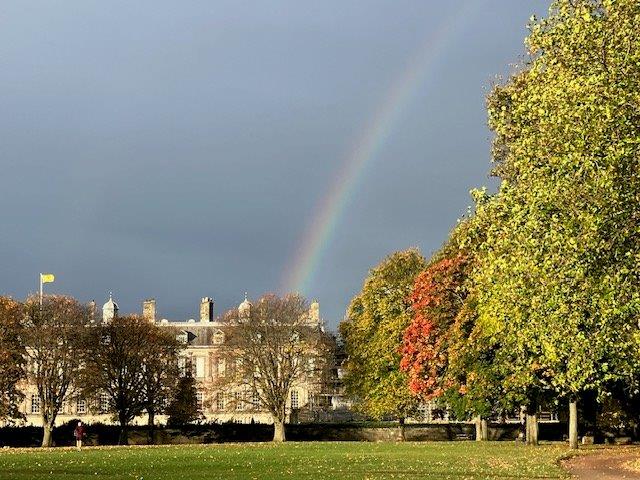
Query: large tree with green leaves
[(372, 333), (559, 279)]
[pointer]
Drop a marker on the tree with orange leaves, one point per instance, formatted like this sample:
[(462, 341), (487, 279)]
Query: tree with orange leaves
[(438, 296), (442, 354)]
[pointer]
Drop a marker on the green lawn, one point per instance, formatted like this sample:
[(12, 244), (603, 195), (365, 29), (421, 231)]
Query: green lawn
[(329, 460)]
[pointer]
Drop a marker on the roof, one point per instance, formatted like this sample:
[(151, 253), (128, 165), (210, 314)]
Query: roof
[(199, 334)]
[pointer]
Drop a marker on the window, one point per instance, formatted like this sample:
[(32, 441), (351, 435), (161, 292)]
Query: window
[(81, 406), (311, 365), (221, 367), (182, 366), (35, 404), (200, 400), (200, 366), (104, 402), (218, 337), (220, 401), (238, 400), (295, 403), (255, 400)]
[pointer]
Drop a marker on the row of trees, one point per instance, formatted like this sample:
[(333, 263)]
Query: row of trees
[(534, 299), (130, 366), (54, 347)]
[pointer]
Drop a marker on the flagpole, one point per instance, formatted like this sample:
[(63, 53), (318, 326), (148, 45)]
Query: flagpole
[(45, 278)]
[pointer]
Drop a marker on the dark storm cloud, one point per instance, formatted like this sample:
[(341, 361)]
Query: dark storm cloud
[(178, 149)]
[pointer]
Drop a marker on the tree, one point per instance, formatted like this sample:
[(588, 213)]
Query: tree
[(118, 362), (558, 280), (372, 331), (12, 356), (161, 373), (445, 363), (437, 298), (53, 338), (184, 408), (273, 347), (504, 332)]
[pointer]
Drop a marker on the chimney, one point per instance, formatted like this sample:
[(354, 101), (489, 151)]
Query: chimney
[(92, 310), (149, 310), (314, 313), (206, 310)]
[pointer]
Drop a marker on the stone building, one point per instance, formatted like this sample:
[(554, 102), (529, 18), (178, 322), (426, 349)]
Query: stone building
[(203, 339)]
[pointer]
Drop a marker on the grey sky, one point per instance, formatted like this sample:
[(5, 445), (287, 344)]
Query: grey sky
[(177, 149)]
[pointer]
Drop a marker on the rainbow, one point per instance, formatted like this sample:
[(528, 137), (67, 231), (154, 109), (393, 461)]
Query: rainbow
[(319, 233)]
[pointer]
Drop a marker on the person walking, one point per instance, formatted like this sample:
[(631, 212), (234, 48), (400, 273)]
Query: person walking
[(79, 433)]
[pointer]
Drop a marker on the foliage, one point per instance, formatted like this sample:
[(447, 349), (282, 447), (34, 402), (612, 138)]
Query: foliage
[(558, 282), (445, 362), (12, 355), (184, 408), (372, 333), (53, 337), (437, 299)]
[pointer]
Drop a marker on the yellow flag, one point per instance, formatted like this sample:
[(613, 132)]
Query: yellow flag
[(47, 277)]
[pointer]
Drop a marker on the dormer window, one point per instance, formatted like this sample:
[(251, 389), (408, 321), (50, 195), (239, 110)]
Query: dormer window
[(183, 337), (218, 337)]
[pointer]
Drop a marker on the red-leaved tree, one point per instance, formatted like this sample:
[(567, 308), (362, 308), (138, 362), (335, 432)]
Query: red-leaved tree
[(438, 297)]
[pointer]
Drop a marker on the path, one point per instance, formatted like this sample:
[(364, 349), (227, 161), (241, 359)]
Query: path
[(603, 466)]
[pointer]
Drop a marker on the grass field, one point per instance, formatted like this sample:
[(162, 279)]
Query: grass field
[(353, 460)]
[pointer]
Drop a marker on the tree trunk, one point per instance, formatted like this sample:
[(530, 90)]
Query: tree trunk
[(485, 429), (278, 430), (401, 428), (151, 427), (478, 423), (532, 427), (573, 424), (47, 439), (123, 439)]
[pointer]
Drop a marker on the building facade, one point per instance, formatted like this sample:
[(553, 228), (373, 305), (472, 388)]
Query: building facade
[(204, 355)]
